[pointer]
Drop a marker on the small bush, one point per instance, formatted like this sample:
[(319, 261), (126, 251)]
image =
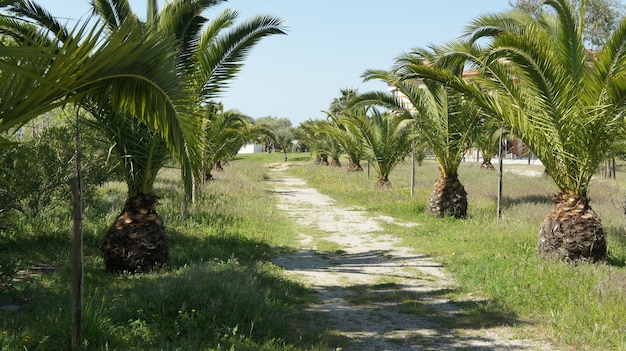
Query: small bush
[(35, 173)]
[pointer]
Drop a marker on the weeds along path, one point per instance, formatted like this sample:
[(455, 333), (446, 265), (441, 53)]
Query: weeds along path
[(375, 294)]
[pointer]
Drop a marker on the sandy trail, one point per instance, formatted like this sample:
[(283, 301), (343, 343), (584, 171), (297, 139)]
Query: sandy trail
[(377, 294)]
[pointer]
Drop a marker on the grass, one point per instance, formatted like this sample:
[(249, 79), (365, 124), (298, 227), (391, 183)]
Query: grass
[(578, 306), (220, 292)]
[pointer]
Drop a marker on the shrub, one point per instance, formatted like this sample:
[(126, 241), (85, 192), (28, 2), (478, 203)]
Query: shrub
[(35, 173)]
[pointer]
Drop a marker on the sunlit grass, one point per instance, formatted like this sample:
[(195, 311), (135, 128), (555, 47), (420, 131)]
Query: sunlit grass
[(220, 290), (218, 293)]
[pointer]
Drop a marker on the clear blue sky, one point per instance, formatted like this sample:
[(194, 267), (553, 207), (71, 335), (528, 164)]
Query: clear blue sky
[(329, 44)]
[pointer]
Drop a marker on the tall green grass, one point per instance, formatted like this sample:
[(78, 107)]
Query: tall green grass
[(577, 306), (218, 293)]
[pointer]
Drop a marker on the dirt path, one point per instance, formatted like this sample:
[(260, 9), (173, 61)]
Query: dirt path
[(378, 295)]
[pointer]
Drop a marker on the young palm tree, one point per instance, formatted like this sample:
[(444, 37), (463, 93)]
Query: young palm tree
[(137, 240), (443, 119), (348, 141), (385, 138), (126, 73), (568, 109), (315, 133), (202, 60), (225, 132), (333, 146), (327, 141), (207, 59), (486, 139), (42, 69)]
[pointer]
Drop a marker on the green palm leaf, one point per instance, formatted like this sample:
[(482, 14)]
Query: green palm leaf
[(564, 102), (385, 138), (221, 56)]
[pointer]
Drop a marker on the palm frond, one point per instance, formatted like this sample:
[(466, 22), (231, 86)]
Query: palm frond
[(224, 57), (444, 118), (32, 10), (566, 105), (113, 12)]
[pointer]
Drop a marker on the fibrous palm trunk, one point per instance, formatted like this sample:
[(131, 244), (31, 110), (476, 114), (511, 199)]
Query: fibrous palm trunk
[(218, 166), (207, 177), (383, 182), (323, 160), (448, 198), (335, 162), (487, 165), (572, 231), (136, 242), (354, 167)]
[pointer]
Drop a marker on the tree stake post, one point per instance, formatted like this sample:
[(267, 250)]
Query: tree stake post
[(77, 247), (501, 158)]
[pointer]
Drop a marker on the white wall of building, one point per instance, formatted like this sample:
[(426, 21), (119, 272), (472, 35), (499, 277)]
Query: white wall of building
[(250, 148)]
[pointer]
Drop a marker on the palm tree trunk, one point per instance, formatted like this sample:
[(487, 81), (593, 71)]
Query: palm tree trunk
[(136, 242), (323, 160), (572, 230), (354, 167), (207, 176), (383, 182), (218, 167), (335, 162), (487, 165), (448, 198)]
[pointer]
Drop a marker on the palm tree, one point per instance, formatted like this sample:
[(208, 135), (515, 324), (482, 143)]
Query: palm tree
[(324, 136), (385, 137), (41, 72), (340, 105), (202, 62), (486, 139), (329, 133), (568, 109), (313, 133), (134, 75), (207, 59), (137, 240), (443, 118), (225, 132), (348, 141)]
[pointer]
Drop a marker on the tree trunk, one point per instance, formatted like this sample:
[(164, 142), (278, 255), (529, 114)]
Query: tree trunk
[(335, 162), (572, 231), (448, 198), (354, 167), (136, 242), (383, 182), (487, 165), (218, 167), (207, 176), (323, 160)]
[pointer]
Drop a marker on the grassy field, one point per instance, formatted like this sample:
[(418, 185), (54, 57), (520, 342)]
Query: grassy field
[(220, 292)]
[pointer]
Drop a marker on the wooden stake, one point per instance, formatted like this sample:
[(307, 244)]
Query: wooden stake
[(77, 266), (77, 248), (500, 178), (412, 170)]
